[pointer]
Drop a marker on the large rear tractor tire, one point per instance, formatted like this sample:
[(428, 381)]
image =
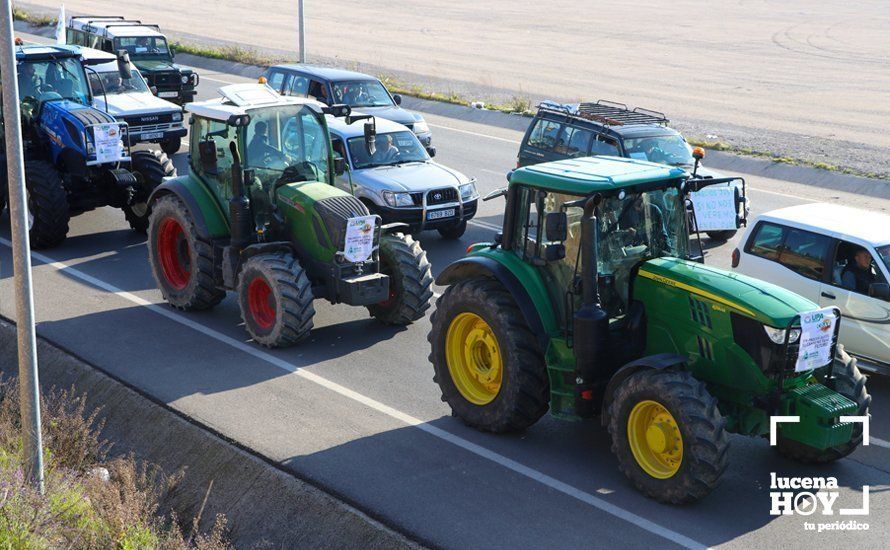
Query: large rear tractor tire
[(150, 169), (275, 297), (849, 382), (487, 361), (410, 280), (181, 262), (48, 214), (668, 435)]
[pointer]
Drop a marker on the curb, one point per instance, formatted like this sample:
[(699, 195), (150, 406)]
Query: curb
[(265, 506)]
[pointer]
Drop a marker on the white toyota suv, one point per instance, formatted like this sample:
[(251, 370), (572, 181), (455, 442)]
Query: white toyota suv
[(835, 256)]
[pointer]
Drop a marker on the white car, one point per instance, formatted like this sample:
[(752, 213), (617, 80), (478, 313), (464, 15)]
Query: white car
[(150, 118), (400, 182), (835, 256)]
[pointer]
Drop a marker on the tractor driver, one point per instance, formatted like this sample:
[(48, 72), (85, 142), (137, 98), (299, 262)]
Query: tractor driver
[(29, 83), (258, 149), (642, 227)]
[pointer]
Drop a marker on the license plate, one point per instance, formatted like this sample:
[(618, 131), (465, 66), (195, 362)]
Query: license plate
[(157, 135), (439, 214), (168, 94)]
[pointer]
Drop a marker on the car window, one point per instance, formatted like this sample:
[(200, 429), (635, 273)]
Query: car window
[(603, 146), (855, 268), (299, 86), (275, 80), (766, 241), (317, 90), (338, 146), (544, 135), (805, 253), (573, 142)]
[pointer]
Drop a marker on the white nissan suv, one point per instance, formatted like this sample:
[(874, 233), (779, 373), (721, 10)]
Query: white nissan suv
[(835, 256)]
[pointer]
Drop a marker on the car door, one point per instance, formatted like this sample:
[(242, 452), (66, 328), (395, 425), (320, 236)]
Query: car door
[(865, 326), (789, 257)]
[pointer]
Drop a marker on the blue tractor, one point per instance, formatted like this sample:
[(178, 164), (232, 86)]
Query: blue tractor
[(76, 157)]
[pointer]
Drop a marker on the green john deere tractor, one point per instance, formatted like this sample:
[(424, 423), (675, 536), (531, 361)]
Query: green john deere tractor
[(258, 214), (588, 304)]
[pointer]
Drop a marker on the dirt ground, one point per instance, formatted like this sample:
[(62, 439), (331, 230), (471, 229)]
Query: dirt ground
[(807, 79)]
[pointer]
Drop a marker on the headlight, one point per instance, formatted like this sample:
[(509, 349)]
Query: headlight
[(398, 199), (177, 117), (185, 79), (420, 127), (777, 335), (468, 191)]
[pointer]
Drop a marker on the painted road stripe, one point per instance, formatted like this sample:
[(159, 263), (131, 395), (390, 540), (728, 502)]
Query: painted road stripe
[(396, 414)]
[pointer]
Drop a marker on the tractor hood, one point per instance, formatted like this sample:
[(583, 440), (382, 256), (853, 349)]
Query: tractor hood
[(765, 302), (74, 111)]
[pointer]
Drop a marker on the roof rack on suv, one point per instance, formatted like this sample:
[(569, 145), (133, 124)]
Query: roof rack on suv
[(610, 113)]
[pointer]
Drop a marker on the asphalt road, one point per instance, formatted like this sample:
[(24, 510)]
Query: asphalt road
[(354, 408), (796, 78)]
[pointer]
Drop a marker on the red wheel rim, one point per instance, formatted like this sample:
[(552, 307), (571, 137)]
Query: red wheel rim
[(261, 303), (173, 253)]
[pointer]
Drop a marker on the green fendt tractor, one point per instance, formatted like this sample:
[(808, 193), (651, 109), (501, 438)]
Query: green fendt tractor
[(258, 214), (588, 304)]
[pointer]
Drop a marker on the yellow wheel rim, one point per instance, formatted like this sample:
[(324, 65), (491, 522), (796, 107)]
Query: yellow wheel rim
[(474, 358), (655, 439)]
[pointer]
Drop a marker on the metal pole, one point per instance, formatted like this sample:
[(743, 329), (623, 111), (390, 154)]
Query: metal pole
[(302, 31), (21, 255)]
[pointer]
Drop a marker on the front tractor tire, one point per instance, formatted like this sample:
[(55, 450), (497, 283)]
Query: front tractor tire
[(48, 213), (181, 262), (668, 435), (487, 361), (150, 169), (849, 382), (410, 280), (275, 297)]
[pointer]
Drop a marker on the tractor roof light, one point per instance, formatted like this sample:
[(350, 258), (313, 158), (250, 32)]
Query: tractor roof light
[(698, 153), (238, 120), (262, 80)]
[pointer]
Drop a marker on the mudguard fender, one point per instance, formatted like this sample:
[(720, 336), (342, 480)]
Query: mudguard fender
[(210, 221)]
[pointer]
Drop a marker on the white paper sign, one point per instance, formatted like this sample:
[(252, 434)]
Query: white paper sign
[(715, 208), (816, 339), (108, 143), (359, 238)]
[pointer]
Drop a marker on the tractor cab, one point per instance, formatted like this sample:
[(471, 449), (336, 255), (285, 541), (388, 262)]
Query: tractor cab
[(50, 73)]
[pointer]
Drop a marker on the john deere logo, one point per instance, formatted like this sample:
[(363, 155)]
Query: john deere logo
[(438, 196)]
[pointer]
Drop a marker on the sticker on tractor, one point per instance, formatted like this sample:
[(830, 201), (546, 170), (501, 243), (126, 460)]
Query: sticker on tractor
[(359, 238), (715, 209), (108, 143), (816, 339)]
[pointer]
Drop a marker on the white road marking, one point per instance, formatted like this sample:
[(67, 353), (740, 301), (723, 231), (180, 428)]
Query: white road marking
[(396, 414), (790, 196), (513, 141), (219, 80), (486, 225), (879, 442), (495, 172)]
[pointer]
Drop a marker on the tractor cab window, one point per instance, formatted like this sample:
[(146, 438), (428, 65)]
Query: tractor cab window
[(220, 135), (143, 46), (287, 144), (634, 227), (50, 80)]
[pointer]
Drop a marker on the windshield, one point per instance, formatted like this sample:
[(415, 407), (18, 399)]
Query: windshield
[(392, 148), (113, 83), (291, 138), (52, 80), (884, 253), (143, 46), (671, 150), (361, 93)]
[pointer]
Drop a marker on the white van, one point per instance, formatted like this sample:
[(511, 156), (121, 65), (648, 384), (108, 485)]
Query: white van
[(835, 256), (150, 119)]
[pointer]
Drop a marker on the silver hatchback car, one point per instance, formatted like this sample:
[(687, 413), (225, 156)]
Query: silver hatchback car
[(400, 181)]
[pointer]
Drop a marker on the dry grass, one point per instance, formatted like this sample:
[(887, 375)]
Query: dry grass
[(90, 501)]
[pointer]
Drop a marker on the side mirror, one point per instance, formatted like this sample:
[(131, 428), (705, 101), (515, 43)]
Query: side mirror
[(123, 65), (397, 98), (339, 165), (881, 291), (207, 156), (556, 226), (554, 252), (431, 151), (371, 136)]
